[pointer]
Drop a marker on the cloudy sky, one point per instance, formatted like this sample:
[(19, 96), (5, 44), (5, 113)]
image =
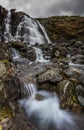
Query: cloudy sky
[(45, 8)]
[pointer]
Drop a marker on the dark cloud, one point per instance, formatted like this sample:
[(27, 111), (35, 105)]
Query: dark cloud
[(44, 8)]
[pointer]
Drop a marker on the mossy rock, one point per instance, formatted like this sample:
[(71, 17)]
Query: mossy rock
[(5, 113)]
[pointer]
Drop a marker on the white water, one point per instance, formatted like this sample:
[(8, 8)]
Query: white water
[(29, 89), (28, 31), (15, 54), (46, 113), (39, 55), (7, 32), (16, 57), (31, 34)]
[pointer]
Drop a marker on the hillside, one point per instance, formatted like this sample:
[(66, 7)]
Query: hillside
[(64, 27)]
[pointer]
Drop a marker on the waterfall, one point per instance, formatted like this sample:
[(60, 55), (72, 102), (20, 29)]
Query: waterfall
[(31, 34), (39, 55), (7, 32), (28, 31)]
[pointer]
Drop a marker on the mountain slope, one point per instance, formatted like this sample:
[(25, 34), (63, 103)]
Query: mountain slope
[(64, 27)]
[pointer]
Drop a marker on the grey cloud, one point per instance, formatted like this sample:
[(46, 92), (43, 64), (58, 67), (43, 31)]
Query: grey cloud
[(44, 8)]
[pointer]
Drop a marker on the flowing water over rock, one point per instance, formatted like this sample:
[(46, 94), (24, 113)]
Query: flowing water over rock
[(16, 57), (31, 33), (28, 31), (7, 32), (46, 113), (15, 53), (29, 89), (41, 108), (39, 55)]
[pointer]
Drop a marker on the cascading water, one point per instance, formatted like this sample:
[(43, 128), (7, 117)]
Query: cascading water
[(29, 89), (31, 34), (28, 31), (39, 55), (7, 32), (46, 114), (16, 57), (15, 53)]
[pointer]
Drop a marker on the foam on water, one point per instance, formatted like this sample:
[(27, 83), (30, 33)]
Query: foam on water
[(46, 113)]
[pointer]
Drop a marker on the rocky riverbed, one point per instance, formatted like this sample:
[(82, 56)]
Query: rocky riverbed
[(55, 75), (56, 67)]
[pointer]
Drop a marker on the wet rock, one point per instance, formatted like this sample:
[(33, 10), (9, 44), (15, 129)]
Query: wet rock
[(45, 86), (39, 97), (78, 59), (18, 45), (3, 13), (79, 91), (65, 89), (53, 75), (13, 91), (71, 72), (29, 53)]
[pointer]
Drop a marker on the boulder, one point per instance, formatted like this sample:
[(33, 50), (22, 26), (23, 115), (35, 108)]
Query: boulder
[(18, 45), (79, 91), (65, 90), (52, 75), (39, 97), (30, 54)]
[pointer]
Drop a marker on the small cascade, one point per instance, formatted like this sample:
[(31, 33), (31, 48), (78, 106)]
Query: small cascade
[(15, 53), (39, 55), (29, 89), (77, 66), (16, 57), (7, 32)]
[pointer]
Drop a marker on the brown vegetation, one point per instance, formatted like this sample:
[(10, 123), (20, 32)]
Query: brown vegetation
[(64, 27)]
